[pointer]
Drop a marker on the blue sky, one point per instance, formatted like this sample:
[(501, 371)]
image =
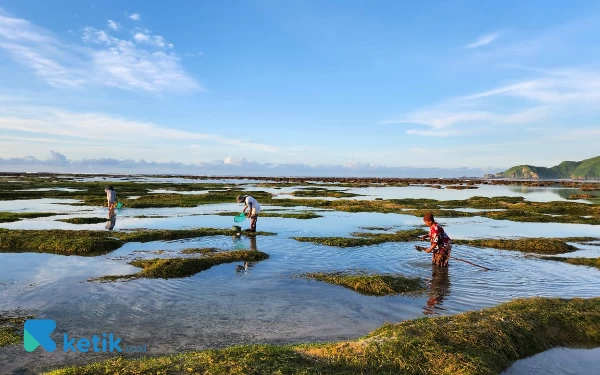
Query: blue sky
[(443, 84)]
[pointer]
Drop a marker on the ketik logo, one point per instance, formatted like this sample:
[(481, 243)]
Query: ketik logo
[(83, 344), (37, 332)]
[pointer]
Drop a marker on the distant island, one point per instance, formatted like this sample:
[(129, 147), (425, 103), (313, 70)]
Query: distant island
[(580, 170)]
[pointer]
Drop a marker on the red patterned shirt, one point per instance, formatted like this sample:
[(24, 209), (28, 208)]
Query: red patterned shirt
[(438, 237)]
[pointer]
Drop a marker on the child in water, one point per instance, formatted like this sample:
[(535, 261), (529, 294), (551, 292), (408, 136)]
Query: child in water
[(441, 244)]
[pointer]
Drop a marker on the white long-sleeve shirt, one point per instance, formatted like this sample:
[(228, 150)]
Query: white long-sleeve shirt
[(111, 195), (255, 206)]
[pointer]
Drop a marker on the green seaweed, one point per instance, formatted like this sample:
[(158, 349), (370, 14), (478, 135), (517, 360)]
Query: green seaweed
[(535, 217), (150, 217), (11, 327), (84, 220), (527, 245), (461, 187), (148, 235), (284, 215), (189, 200), (365, 239), (91, 243), (314, 192), (7, 217), (92, 193), (514, 208), (168, 268), (591, 262), (481, 342), (370, 284), (377, 228), (204, 250), (581, 196), (64, 242)]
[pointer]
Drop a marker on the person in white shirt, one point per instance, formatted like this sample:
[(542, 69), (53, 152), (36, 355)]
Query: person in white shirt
[(253, 209), (111, 197)]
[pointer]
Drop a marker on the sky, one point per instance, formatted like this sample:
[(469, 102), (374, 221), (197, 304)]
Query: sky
[(298, 87)]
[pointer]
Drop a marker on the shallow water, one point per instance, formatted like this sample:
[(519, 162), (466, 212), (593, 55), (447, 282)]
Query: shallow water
[(559, 361), (185, 192), (53, 189), (534, 194), (42, 205), (266, 303)]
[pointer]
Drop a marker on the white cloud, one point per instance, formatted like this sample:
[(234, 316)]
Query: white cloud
[(113, 25), (102, 60), (57, 162), (141, 37), (483, 40), (135, 16), (235, 161), (54, 122), (154, 40), (159, 41)]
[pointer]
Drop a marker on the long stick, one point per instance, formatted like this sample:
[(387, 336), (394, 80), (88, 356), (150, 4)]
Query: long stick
[(466, 261), (462, 260)]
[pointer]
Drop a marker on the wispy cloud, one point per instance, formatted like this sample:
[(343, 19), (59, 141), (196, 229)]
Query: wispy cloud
[(433, 133), (103, 59), (438, 119), (483, 40), (442, 122), (550, 94), (538, 99), (559, 86), (101, 128), (113, 25), (135, 16)]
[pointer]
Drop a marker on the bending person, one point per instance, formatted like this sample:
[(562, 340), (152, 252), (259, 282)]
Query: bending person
[(253, 209)]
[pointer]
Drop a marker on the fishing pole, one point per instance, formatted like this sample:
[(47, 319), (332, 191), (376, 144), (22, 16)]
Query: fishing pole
[(466, 261), (420, 248)]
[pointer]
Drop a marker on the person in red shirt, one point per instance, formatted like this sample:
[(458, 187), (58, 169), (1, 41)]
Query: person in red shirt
[(441, 244)]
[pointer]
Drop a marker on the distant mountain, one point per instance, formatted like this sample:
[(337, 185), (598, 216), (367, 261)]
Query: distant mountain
[(585, 169)]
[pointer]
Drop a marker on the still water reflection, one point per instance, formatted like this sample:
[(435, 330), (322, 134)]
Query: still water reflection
[(243, 303)]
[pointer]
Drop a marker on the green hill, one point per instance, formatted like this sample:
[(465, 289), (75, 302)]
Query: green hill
[(585, 169)]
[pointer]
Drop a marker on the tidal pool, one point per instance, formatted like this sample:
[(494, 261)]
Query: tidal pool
[(267, 303)]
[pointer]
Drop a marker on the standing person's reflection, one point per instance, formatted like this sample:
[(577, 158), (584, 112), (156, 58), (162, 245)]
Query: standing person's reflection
[(248, 265), (111, 219), (439, 288)]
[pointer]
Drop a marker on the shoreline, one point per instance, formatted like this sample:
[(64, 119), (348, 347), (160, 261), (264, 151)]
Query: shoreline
[(305, 179)]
